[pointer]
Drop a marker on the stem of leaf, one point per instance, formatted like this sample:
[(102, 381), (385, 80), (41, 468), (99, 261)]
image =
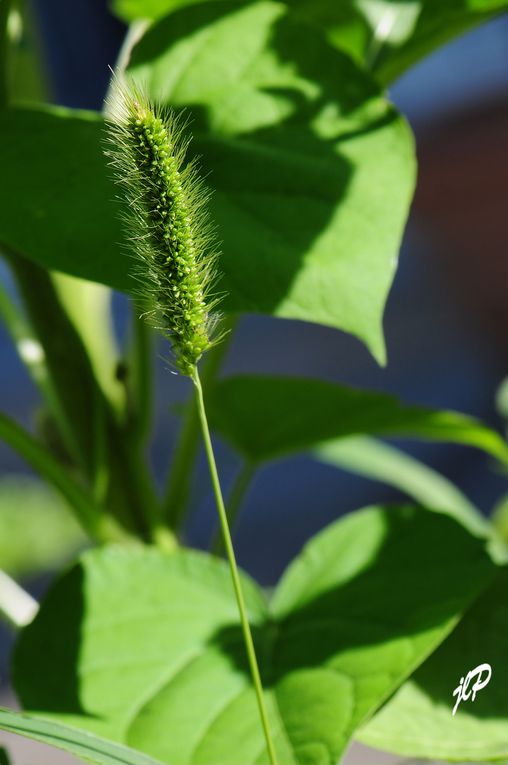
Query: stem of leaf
[(30, 352), (5, 7), (228, 544), (140, 379), (177, 494), (237, 496)]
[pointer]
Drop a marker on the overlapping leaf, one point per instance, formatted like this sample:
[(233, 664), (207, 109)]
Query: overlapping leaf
[(295, 414), (146, 647)]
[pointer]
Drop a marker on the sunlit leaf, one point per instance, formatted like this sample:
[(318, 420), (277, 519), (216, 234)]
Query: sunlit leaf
[(146, 647)]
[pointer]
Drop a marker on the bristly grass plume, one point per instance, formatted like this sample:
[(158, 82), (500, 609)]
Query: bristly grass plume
[(166, 217), (171, 239)]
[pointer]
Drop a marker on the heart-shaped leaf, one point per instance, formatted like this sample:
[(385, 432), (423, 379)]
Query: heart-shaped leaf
[(312, 169), (146, 647)]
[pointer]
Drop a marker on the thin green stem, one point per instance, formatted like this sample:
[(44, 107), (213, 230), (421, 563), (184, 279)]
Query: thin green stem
[(5, 7), (228, 544), (139, 382), (176, 498), (179, 483), (29, 349), (236, 499)]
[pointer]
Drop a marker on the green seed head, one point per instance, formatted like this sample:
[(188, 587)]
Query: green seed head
[(170, 235)]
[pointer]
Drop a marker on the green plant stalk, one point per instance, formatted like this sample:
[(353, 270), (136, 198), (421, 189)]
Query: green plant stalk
[(176, 499), (237, 496), (32, 355), (66, 360), (5, 7), (139, 383), (228, 544)]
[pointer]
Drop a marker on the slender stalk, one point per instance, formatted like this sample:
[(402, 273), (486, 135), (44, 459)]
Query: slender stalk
[(16, 605), (237, 496), (228, 544), (140, 381), (5, 7), (177, 494), (30, 351), (179, 483)]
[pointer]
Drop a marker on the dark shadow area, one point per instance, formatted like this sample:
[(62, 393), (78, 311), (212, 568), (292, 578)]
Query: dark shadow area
[(55, 652), (479, 638)]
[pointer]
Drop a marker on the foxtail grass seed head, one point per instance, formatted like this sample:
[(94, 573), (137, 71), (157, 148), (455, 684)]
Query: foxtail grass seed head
[(167, 221)]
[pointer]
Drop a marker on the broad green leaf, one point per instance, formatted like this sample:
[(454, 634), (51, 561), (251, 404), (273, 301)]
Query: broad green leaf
[(141, 615), (37, 530), (146, 647), (81, 744), (69, 220), (418, 721), (312, 169), (381, 462), (388, 36), (294, 414)]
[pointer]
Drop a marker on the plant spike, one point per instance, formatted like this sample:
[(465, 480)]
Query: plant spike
[(171, 239), (170, 235)]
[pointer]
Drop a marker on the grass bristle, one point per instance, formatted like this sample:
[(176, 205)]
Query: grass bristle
[(167, 222)]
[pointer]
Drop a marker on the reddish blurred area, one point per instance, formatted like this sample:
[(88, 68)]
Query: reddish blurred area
[(462, 198)]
